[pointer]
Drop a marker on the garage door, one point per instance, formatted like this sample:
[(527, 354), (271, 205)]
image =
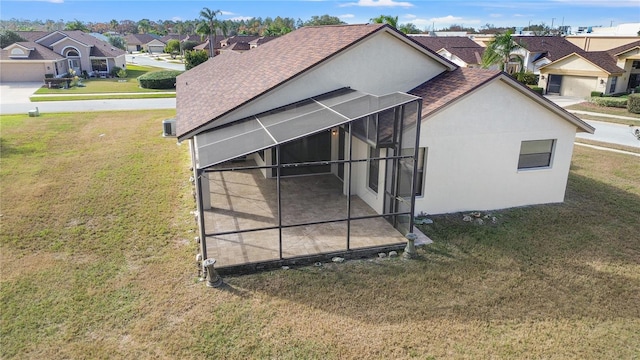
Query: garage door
[(579, 86), (21, 72), (156, 49)]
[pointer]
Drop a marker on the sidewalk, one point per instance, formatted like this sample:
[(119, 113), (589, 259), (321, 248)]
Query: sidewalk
[(102, 94), (602, 115)]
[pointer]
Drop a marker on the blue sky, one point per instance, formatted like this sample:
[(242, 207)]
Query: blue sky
[(423, 13)]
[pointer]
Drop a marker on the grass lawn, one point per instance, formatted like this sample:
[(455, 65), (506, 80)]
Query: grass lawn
[(112, 85), (97, 257), (587, 106), (101, 97)]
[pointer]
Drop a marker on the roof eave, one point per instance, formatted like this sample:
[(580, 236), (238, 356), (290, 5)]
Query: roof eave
[(386, 28)]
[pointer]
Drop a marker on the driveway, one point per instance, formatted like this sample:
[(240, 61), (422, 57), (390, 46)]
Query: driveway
[(150, 60), (14, 99), (611, 133)]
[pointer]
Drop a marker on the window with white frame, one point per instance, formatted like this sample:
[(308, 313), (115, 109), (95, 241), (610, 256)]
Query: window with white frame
[(536, 154)]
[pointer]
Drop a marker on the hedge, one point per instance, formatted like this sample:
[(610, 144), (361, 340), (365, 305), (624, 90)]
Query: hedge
[(596, 94), (537, 89), (610, 101), (633, 105), (527, 78), (159, 79)]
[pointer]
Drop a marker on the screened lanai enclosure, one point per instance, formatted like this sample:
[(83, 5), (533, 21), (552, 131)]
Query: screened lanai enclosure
[(331, 175)]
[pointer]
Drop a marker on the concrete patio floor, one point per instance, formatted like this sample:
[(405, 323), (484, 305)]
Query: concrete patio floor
[(244, 199)]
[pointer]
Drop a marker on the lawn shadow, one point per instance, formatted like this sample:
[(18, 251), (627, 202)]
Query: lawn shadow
[(561, 261)]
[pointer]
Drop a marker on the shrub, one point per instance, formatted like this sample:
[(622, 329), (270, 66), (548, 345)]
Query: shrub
[(637, 89), (596, 94), (194, 58), (159, 79), (114, 70), (173, 46), (58, 82), (122, 74), (189, 45), (527, 78), (633, 103), (610, 101), (537, 89)]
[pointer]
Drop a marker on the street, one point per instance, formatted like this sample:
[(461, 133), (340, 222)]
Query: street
[(611, 133)]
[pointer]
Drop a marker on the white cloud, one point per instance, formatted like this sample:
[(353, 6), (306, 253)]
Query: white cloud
[(226, 13), (346, 16), (378, 3), (523, 15), (599, 3), (240, 18), (176, 18), (495, 15), (447, 19), (410, 16)]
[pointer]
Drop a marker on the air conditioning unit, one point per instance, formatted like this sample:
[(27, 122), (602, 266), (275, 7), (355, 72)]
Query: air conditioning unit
[(169, 128)]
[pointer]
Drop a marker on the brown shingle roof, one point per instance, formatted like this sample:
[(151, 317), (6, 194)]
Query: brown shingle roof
[(449, 86), (603, 60), (461, 46), (550, 47), (39, 52), (99, 48), (140, 39), (620, 49), (224, 83)]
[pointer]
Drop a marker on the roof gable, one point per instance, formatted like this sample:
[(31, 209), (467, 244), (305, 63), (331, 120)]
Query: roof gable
[(551, 47), (37, 53), (600, 60), (231, 80), (450, 87), (461, 47), (621, 50)]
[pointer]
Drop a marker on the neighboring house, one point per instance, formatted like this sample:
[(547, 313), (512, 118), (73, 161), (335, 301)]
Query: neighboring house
[(237, 43), (55, 54), (580, 73), (195, 38), (537, 51), (382, 127), (460, 50), (144, 42)]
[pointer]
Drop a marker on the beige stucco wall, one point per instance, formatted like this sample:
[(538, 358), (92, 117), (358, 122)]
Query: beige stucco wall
[(85, 51), (580, 77), (600, 43), (473, 149), (377, 66), (22, 71)]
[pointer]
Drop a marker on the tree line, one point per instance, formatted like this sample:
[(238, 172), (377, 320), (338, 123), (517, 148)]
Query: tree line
[(255, 26)]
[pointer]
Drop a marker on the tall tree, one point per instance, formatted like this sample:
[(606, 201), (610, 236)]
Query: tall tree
[(144, 26), (409, 28), (8, 37), (210, 18), (322, 20), (499, 50), (385, 19), (76, 25), (113, 24)]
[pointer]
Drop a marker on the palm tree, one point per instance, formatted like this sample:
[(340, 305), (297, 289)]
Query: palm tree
[(499, 50), (209, 17), (385, 19), (144, 26)]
